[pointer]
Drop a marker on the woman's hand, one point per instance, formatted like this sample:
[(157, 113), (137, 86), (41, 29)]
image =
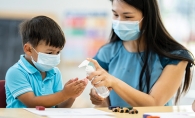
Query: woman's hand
[(193, 106), (95, 98), (100, 77)]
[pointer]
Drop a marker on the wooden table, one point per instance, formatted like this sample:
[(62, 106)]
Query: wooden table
[(21, 113)]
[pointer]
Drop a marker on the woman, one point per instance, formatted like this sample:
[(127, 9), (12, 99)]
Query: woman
[(142, 63)]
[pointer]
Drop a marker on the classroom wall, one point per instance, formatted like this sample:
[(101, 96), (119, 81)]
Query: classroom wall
[(81, 44)]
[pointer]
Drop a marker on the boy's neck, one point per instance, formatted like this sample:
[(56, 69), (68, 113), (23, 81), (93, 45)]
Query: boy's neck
[(43, 74), (28, 59)]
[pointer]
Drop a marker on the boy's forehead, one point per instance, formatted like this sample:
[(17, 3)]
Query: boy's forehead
[(42, 43)]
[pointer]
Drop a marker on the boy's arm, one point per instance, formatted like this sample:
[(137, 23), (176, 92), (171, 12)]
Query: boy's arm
[(70, 90), (66, 104), (30, 100)]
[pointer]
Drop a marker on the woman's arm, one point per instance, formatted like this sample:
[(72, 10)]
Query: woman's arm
[(166, 86)]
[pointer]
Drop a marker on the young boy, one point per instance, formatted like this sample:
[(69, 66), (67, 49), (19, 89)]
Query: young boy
[(35, 80)]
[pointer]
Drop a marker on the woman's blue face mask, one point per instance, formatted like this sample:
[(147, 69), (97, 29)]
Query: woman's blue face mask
[(126, 30)]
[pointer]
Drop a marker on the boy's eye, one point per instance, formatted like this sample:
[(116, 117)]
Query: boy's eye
[(49, 53), (58, 52)]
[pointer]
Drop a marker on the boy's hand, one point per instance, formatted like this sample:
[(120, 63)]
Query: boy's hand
[(85, 82), (74, 87)]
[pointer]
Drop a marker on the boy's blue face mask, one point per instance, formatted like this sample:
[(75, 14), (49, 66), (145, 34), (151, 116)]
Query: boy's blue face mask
[(126, 30), (46, 62)]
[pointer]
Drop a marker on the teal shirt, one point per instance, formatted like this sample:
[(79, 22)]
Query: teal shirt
[(127, 66), (23, 77)]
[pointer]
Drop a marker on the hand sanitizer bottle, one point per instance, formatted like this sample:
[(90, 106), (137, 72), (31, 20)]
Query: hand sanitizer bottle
[(101, 91)]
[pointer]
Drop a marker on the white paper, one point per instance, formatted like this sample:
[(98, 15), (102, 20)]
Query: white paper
[(81, 116), (52, 112)]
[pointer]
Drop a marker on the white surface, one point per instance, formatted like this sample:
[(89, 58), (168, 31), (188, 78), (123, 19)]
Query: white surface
[(52, 112), (82, 117)]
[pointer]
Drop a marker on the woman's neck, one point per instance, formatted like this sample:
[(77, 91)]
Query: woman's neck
[(132, 46)]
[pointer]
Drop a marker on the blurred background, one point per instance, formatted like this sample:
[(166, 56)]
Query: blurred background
[(86, 24)]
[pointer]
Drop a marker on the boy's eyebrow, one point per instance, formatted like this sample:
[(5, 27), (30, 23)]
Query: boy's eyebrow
[(49, 49), (52, 50)]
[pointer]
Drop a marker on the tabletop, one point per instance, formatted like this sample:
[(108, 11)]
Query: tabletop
[(22, 113)]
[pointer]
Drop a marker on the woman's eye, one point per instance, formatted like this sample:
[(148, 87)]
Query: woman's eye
[(115, 15), (127, 17)]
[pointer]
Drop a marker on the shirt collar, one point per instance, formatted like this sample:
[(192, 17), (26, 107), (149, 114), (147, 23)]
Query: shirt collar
[(30, 68)]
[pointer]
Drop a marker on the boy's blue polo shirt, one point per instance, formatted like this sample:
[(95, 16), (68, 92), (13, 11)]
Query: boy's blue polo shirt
[(22, 77)]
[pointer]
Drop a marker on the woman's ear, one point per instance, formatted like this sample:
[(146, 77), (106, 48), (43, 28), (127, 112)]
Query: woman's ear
[(27, 49)]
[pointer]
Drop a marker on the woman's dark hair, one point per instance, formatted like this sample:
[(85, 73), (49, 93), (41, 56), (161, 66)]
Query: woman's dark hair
[(158, 40), (42, 28)]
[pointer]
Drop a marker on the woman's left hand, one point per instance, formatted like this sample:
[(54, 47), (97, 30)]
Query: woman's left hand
[(100, 77), (193, 106)]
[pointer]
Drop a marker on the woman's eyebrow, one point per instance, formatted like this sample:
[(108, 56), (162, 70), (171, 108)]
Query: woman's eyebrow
[(128, 13), (124, 12), (113, 11)]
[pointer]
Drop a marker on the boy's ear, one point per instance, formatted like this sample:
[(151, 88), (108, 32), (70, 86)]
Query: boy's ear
[(27, 49)]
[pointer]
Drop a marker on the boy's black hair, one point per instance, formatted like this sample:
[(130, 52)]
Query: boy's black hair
[(42, 28)]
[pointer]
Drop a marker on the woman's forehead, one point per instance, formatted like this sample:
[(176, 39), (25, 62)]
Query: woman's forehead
[(119, 5)]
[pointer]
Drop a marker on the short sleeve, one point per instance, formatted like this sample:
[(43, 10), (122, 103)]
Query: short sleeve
[(101, 59), (58, 81), (16, 82), (106, 53), (182, 53)]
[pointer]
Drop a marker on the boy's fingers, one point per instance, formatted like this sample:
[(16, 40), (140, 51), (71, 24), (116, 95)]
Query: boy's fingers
[(75, 79), (85, 80), (69, 81)]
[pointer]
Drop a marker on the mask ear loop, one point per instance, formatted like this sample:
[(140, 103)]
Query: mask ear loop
[(36, 52), (141, 20)]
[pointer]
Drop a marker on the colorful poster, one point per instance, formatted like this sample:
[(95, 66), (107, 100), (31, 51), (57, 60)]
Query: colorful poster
[(85, 33)]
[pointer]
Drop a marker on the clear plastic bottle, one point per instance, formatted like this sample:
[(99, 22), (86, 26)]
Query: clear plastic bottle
[(101, 91)]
